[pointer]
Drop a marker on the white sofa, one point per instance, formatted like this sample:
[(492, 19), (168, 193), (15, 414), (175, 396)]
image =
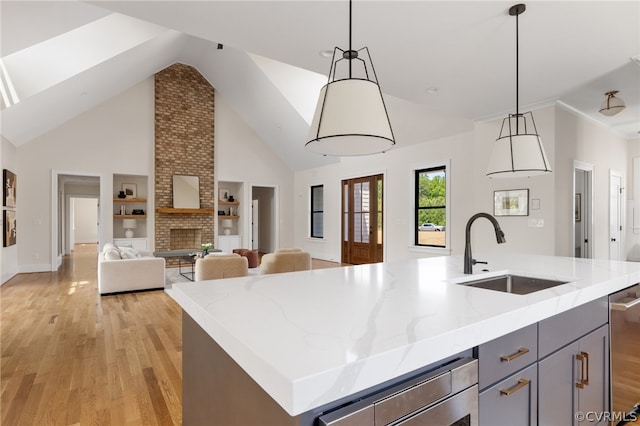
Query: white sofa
[(123, 269)]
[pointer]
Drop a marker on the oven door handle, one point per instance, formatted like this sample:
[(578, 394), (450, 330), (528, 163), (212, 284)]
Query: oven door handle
[(624, 306)]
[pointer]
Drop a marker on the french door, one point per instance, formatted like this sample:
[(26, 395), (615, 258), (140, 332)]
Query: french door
[(362, 220)]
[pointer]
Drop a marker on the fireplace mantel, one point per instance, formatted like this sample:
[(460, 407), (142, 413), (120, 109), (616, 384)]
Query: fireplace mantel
[(171, 210)]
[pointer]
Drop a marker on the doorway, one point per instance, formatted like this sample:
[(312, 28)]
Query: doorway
[(83, 221), (64, 187), (583, 208), (362, 220), (616, 188), (263, 232)]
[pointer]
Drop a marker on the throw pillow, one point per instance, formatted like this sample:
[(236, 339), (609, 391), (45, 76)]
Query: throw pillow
[(222, 254), (129, 253), (288, 250), (112, 254), (108, 246)]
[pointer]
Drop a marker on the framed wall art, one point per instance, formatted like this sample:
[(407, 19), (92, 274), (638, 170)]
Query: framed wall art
[(9, 188), (514, 202), (130, 190), (9, 219), (223, 194)]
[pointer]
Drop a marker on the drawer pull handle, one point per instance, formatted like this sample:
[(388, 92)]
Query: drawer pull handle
[(515, 388), (583, 357), (509, 358)]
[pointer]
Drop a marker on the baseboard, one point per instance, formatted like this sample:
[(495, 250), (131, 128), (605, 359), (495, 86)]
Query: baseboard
[(25, 269), (7, 277)]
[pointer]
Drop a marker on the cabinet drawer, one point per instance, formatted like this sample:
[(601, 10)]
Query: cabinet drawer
[(505, 355), (513, 401), (564, 328)]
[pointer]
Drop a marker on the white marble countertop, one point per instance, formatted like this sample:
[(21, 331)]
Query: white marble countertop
[(309, 338)]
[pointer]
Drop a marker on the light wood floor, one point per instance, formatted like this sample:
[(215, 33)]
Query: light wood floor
[(72, 357)]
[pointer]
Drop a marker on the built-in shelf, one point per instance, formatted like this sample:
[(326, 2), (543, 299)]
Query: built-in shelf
[(228, 203), (129, 216), (130, 200), (171, 210), (226, 216)]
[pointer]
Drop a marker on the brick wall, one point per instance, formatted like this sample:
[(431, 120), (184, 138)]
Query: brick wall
[(184, 122), (185, 238)]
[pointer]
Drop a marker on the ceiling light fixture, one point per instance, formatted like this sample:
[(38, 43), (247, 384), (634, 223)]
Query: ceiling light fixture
[(351, 117), (518, 153), (611, 104)]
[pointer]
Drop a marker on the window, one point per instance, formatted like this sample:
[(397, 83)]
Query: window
[(317, 211), (431, 207)]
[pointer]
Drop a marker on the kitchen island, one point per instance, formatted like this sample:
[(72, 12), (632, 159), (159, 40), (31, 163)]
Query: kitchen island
[(314, 337)]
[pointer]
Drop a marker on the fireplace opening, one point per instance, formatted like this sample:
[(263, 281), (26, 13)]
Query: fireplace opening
[(181, 239)]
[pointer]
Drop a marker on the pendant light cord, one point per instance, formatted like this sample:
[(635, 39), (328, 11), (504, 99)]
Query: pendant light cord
[(350, 50), (517, 72), (516, 10)]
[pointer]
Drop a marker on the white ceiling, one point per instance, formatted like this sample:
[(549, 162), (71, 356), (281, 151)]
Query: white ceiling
[(66, 57)]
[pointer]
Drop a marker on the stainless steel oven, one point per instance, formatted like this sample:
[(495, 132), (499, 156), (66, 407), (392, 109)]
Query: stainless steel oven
[(624, 323), (445, 396)]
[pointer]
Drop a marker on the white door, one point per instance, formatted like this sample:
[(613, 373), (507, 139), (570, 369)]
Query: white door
[(255, 225), (615, 216)]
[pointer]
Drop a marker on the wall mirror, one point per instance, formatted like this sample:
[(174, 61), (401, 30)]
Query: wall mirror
[(186, 192)]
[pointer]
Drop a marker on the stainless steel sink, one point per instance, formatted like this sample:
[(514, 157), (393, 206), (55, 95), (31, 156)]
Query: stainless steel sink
[(515, 284)]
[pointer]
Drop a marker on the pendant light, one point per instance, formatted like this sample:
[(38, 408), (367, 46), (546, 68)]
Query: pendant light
[(518, 151), (611, 105), (351, 117)]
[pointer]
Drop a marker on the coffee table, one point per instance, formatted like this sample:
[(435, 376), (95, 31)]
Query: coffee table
[(183, 256)]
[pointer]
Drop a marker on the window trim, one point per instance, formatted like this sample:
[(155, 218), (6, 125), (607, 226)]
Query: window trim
[(312, 212), (414, 246)]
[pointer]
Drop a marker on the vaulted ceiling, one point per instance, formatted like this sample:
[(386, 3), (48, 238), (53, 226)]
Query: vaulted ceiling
[(441, 64)]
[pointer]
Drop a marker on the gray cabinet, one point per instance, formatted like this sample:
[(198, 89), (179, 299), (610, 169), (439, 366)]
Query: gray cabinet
[(505, 355), (555, 368), (507, 398), (513, 401), (575, 379)]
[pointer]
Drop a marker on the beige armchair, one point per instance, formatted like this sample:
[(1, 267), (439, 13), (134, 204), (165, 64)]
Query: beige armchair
[(285, 260), (220, 265)]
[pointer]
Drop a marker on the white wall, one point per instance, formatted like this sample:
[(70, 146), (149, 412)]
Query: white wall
[(241, 156), (632, 235), (85, 220), (397, 166), (520, 236), (565, 137), (115, 137), (9, 255), (583, 140)]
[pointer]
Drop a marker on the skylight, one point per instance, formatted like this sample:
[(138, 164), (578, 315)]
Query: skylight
[(7, 90)]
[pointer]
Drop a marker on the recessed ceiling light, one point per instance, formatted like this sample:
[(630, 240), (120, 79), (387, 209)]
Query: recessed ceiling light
[(432, 89), (326, 53)]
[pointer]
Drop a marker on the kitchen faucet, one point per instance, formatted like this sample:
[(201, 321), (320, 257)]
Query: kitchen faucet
[(469, 261)]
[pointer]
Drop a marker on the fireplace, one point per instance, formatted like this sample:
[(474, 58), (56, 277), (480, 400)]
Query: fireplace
[(185, 96), (180, 239)]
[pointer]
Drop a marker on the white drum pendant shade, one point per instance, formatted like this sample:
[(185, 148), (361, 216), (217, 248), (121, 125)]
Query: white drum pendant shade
[(518, 151), (350, 119), (518, 156)]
